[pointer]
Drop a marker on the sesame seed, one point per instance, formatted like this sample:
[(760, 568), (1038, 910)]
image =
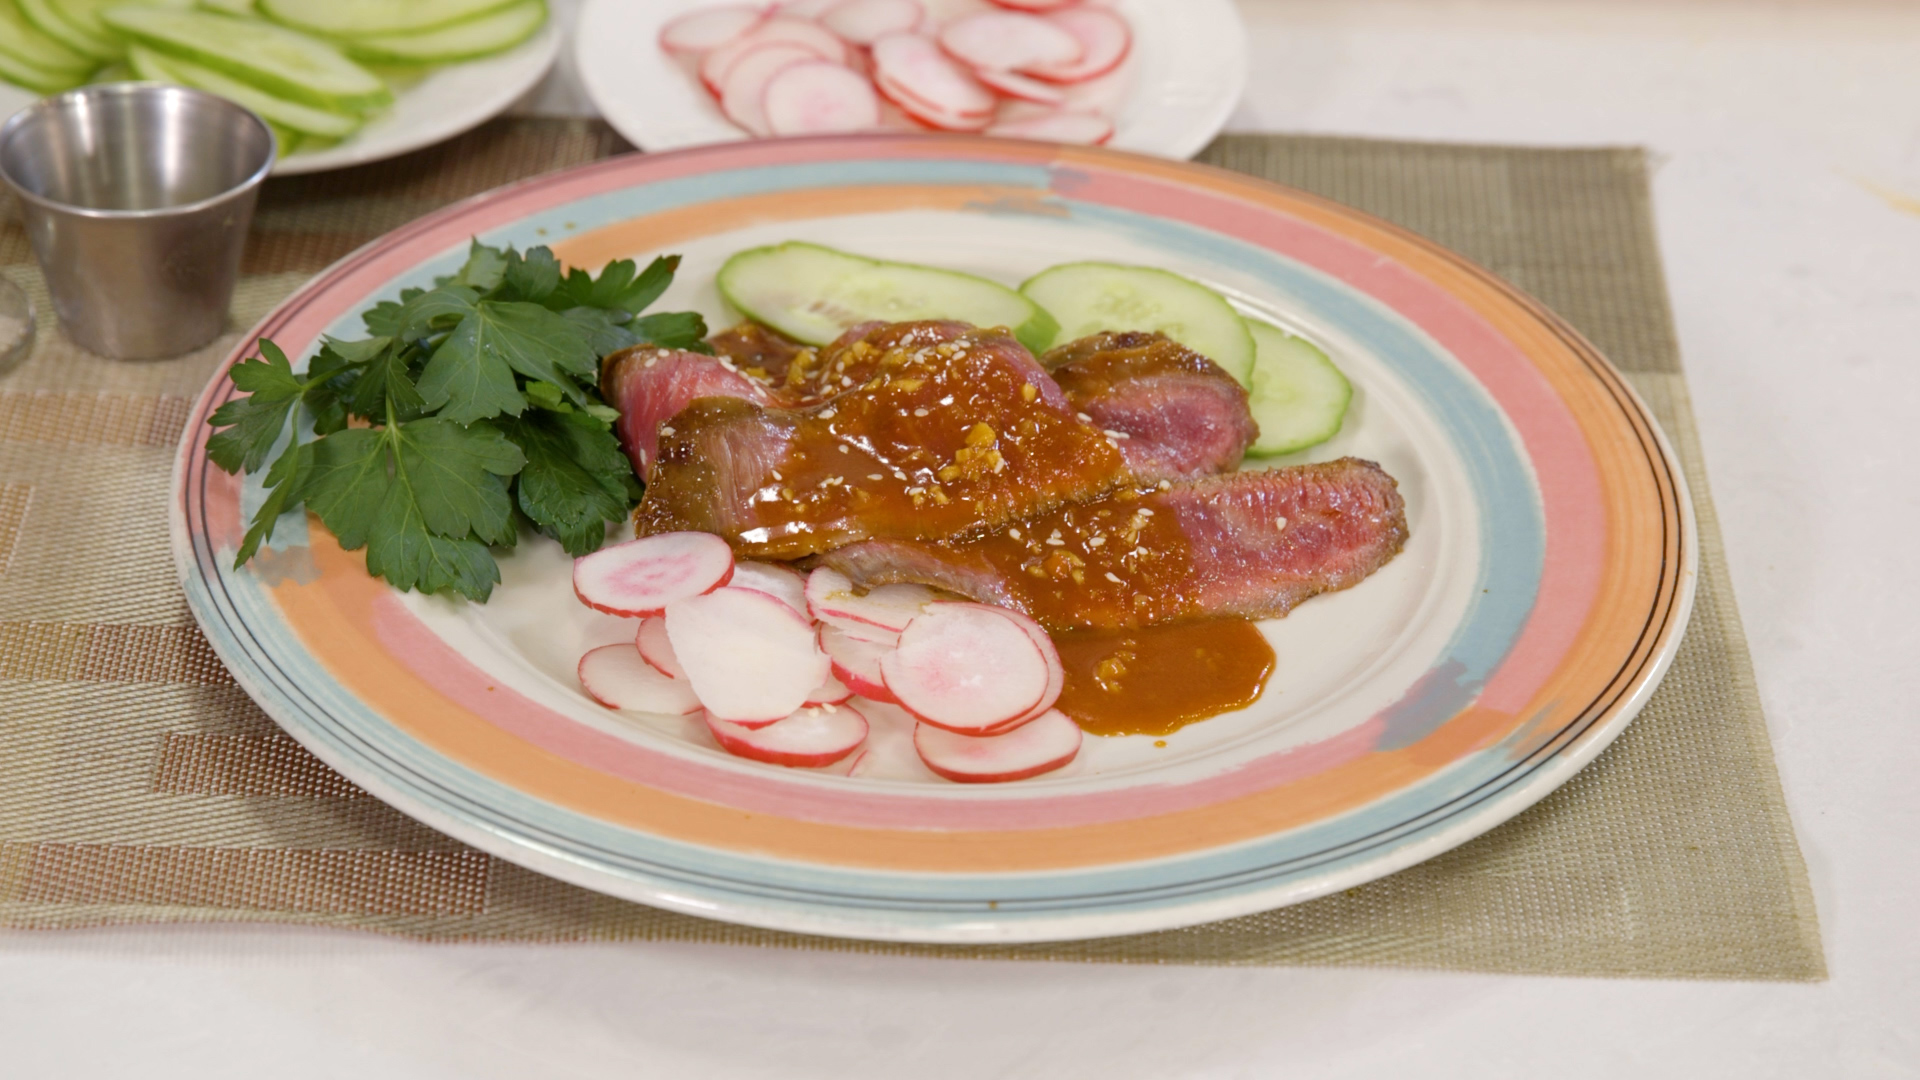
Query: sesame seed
[(948, 400), (1084, 417), (1015, 533), (844, 450), (1096, 541), (665, 430), (1055, 541), (1110, 577), (919, 412), (827, 414), (777, 476), (1112, 434), (1144, 512), (1280, 523)]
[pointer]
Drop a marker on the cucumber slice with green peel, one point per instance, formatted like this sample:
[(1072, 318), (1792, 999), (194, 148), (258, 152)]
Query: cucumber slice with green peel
[(477, 37), (118, 71), (241, 8), (38, 80), (26, 44), (366, 18), (45, 18), (1298, 397), (282, 62), (279, 113), (1089, 297), (812, 294)]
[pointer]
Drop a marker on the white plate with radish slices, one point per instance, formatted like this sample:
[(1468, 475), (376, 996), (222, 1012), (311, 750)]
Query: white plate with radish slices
[(1141, 75), (716, 737)]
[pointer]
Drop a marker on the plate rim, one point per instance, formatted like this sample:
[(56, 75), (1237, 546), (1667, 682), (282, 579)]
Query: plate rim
[(1548, 766)]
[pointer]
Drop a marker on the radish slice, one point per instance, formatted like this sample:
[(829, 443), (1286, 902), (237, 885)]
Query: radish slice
[(921, 79), (965, 667), (831, 599), (820, 98), (1042, 746), (1085, 129), (748, 657), (700, 31), (641, 577), (1021, 88), (776, 30), (1056, 671), (865, 765), (864, 22), (804, 9), (747, 79), (656, 650), (1034, 5), (1104, 42), (615, 676), (831, 692), (1011, 41), (807, 739), (781, 583), (857, 663), (925, 118)]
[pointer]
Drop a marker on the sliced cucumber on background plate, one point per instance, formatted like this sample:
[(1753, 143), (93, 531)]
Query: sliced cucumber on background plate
[(27, 45), (1089, 297), (362, 18), (1298, 397), (50, 20), (242, 8), (812, 294), (282, 114), (38, 80), (483, 35), (279, 61)]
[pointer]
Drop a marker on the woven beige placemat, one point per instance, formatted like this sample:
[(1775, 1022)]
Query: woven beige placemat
[(138, 784)]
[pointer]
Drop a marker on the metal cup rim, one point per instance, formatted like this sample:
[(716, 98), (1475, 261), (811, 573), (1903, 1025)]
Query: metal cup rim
[(128, 89)]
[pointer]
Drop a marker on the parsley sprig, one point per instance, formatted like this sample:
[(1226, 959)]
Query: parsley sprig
[(473, 408)]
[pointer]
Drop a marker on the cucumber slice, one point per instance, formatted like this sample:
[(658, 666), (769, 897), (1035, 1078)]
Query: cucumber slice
[(279, 61), (240, 8), (45, 18), (367, 18), (469, 40), (1089, 297), (812, 294), (26, 44), (279, 113), (118, 71), (38, 80), (1298, 397)]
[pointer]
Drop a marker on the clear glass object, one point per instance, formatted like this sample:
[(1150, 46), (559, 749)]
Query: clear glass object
[(16, 325)]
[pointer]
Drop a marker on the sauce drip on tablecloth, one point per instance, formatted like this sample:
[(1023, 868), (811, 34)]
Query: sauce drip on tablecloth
[(1155, 680)]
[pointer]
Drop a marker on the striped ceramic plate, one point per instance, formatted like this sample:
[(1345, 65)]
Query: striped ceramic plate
[(1542, 594)]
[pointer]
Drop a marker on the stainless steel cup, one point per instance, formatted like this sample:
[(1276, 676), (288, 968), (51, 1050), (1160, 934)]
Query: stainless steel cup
[(137, 198)]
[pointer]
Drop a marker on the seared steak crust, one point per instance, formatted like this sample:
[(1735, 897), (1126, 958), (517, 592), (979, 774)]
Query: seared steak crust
[(1182, 415), (1252, 544)]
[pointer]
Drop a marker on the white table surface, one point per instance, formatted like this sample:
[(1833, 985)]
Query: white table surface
[(1782, 131)]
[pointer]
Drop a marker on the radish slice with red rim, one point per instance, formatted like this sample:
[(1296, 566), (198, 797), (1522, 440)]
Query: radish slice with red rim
[(746, 84), (912, 70), (1042, 746), (641, 577), (819, 98), (1021, 88), (830, 692), (782, 583), (777, 29), (864, 22), (1104, 41), (831, 599), (701, 31), (656, 650), (1056, 671), (857, 663), (807, 739), (1034, 5), (804, 9), (1085, 129), (748, 656), (615, 676), (1010, 41), (965, 667)]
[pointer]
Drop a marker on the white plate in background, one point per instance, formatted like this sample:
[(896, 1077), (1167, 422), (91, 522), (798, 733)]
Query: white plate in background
[(1187, 69)]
